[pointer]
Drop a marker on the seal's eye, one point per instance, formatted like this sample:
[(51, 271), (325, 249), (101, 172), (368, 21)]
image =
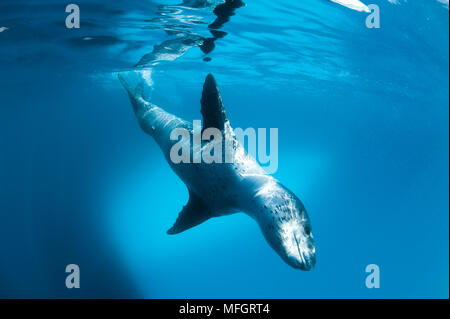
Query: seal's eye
[(307, 230)]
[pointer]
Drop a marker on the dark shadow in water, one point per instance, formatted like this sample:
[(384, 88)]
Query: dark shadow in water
[(224, 11), (170, 50)]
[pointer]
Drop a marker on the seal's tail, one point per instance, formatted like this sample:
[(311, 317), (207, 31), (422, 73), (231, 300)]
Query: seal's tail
[(153, 120), (138, 84)]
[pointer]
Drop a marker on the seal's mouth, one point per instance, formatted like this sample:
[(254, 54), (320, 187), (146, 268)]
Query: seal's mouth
[(305, 258), (298, 245)]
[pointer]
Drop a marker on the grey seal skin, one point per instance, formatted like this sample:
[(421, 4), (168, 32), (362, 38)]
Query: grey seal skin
[(218, 189)]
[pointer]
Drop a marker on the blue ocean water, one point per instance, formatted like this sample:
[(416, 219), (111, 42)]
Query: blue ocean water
[(363, 128)]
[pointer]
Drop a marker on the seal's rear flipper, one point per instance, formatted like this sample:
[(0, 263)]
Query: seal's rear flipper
[(194, 213), (139, 86)]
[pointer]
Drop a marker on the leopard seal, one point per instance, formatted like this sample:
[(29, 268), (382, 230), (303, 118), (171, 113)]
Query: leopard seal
[(218, 189)]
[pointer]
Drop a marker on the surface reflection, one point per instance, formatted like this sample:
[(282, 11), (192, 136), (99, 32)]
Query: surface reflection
[(179, 21)]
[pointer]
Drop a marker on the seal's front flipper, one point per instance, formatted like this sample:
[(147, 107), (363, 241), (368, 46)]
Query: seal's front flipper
[(212, 109), (194, 213)]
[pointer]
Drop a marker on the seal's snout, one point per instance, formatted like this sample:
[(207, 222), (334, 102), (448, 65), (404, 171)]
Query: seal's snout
[(298, 244), (307, 254)]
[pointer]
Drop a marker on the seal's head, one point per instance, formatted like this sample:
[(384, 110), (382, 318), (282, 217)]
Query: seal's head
[(297, 243), (286, 225)]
